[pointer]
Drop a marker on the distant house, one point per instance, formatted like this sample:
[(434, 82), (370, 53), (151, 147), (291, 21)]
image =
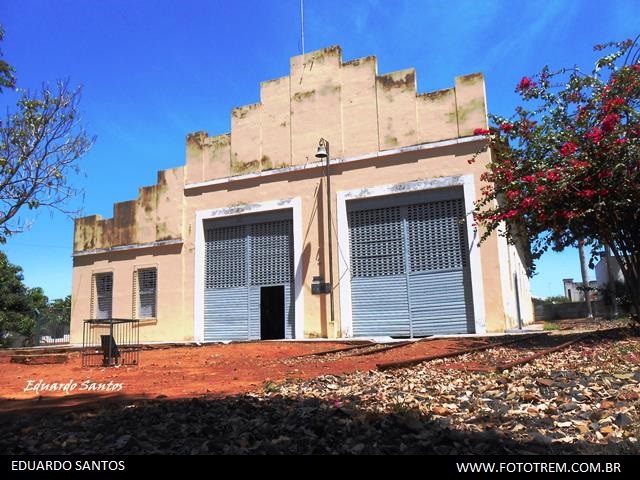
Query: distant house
[(602, 273), (574, 292), (234, 245)]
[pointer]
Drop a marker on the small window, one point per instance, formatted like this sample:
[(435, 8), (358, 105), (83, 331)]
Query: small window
[(103, 295), (147, 289)]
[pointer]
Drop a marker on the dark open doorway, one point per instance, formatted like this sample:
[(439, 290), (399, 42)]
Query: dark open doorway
[(272, 312)]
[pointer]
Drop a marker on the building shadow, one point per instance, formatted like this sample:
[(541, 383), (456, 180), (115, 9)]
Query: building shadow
[(252, 425)]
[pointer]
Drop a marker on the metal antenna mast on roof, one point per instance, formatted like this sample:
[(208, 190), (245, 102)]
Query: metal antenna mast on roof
[(302, 23)]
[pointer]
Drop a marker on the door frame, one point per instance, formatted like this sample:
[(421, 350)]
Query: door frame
[(475, 266), (292, 204), (283, 319)]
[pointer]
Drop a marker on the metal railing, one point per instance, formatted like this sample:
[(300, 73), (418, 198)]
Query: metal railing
[(110, 342), (51, 331)]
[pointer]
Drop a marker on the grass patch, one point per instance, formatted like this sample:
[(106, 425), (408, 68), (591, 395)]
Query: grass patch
[(270, 387), (549, 326)]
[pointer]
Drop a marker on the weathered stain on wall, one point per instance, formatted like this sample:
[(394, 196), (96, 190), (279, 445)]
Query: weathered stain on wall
[(302, 96), (349, 104), (146, 206), (170, 208), (84, 235), (155, 215), (195, 156), (275, 124), (104, 233), (124, 223), (245, 139), (471, 103), (359, 106), (396, 95), (217, 161), (266, 163), (315, 103), (470, 79), (437, 116), (405, 80)]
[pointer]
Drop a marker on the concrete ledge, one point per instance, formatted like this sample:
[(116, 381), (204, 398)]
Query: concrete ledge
[(120, 248), (335, 161)]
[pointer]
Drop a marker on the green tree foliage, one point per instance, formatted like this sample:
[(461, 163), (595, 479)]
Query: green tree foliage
[(7, 77), (567, 166), (16, 313), (552, 299), (59, 310), (23, 309), (40, 145), (38, 301), (621, 293)]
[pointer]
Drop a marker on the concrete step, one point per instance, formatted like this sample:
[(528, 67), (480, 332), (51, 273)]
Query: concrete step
[(40, 359)]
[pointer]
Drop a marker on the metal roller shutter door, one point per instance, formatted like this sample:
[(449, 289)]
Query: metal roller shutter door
[(378, 284), (439, 277), (409, 269), (226, 302), (239, 260)]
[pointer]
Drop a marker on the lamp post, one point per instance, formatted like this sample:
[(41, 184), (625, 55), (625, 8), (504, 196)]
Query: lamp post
[(323, 152)]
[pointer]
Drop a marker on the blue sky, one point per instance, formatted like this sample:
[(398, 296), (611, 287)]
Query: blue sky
[(153, 71)]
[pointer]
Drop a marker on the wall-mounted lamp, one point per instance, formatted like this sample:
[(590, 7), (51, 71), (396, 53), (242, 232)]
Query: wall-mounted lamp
[(323, 152)]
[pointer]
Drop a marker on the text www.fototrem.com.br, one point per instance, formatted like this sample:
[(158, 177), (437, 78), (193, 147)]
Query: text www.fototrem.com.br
[(538, 467)]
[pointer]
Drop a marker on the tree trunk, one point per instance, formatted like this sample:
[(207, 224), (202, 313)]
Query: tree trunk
[(611, 284), (585, 278), (629, 265)]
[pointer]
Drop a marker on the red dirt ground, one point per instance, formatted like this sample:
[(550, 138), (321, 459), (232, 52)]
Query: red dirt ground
[(194, 371)]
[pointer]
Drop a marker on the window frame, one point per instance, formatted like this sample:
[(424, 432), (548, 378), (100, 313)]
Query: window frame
[(96, 295), (138, 292)]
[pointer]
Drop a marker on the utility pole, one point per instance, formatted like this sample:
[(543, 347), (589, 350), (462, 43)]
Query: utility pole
[(585, 278), (302, 24)]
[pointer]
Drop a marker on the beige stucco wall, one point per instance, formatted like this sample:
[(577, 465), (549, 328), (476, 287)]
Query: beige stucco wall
[(512, 269), (176, 264), (170, 323), (348, 103), (263, 159), (309, 187)]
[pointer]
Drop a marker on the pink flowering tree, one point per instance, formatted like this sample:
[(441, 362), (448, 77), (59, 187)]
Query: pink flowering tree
[(566, 167)]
